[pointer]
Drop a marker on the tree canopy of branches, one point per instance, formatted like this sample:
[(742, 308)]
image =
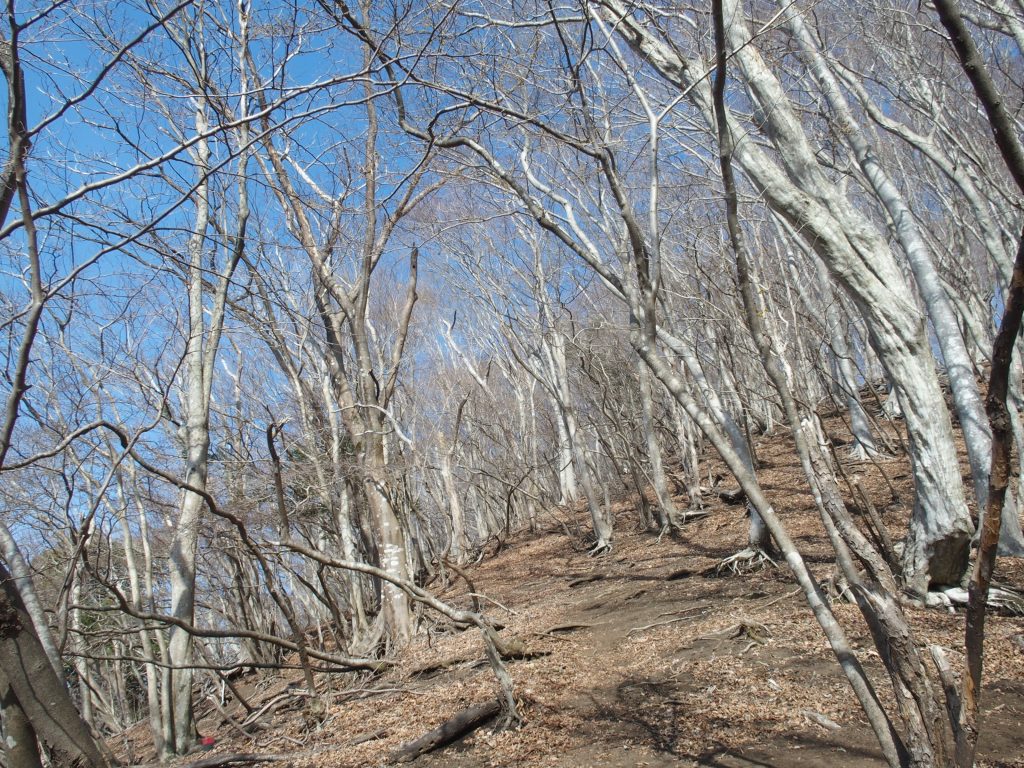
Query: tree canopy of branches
[(308, 304)]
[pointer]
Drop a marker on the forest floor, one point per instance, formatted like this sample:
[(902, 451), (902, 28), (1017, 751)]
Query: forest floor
[(645, 657)]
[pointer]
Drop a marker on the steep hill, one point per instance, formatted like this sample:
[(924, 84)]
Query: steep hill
[(649, 656)]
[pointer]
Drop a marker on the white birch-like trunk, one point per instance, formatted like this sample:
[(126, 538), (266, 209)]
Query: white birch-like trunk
[(691, 462), (26, 588), (150, 672), (667, 513), (858, 257), (842, 358), (459, 541), (343, 521), (78, 643), (390, 536), (182, 566), (567, 487), (959, 367), (164, 736), (528, 430), (391, 543), (758, 536), (184, 544), (339, 499), (554, 352)]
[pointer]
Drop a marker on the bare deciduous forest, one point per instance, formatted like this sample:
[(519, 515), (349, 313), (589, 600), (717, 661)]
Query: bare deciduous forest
[(598, 382)]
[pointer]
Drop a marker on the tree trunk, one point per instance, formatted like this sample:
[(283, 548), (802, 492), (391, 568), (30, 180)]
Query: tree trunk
[(183, 594), (758, 536), (860, 425), (391, 544), (21, 748), (667, 513), (959, 367), (459, 540), (690, 460), (858, 256), (10, 552), (27, 675), (567, 489), (81, 650), (554, 350)]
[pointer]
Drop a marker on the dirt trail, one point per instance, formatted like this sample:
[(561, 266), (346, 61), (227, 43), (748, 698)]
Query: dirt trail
[(651, 659)]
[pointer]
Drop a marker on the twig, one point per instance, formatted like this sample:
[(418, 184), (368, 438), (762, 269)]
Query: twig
[(492, 600), (780, 598)]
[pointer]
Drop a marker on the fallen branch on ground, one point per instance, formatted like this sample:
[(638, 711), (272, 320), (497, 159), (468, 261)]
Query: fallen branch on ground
[(237, 757), (454, 728)]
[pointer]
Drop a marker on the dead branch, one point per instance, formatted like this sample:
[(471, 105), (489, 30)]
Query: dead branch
[(237, 757), (454, 728)]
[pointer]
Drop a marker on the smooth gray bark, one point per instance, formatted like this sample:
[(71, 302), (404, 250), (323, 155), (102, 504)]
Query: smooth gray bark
[(668, 514), (758, 536), (26, 673), (11, 553), (796, 187), (959, 367), (20, 746), (860, 425)]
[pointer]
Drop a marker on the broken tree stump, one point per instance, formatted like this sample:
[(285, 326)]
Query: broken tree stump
[(454, 728)]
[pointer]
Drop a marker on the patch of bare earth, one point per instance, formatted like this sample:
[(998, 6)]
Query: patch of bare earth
[(651, 658)]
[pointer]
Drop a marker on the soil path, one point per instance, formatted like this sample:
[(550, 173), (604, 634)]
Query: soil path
[(646, 657)]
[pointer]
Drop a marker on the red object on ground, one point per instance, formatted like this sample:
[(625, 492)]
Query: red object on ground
[(207, 742)]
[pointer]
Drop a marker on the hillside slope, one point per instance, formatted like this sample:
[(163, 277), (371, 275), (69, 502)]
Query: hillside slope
[(648, 656)]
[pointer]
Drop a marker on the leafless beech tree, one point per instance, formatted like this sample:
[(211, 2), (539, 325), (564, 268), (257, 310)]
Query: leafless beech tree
[(308, 305)]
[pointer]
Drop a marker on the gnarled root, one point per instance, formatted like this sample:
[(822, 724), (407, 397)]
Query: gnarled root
[(600, 548), (1004, 600), (746, 560)]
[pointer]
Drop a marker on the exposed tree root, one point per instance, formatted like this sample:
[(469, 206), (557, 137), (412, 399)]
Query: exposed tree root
[(754, 631), (564, 628), (733, 496), (586, 580), (685, 616), (694, 513), (679, 519), (1005, 600), (600, 548), (745, 561), (819, 719)]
